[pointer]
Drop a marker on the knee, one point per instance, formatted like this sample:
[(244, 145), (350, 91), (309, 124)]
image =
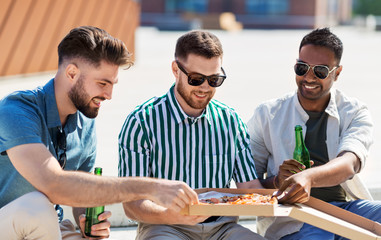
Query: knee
[(35, 207)]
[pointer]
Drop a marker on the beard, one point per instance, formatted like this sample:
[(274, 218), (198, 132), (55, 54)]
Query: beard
[(80, 99), (188, 97)]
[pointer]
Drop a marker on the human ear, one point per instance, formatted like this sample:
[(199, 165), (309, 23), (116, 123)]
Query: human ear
[(72, 72), (338, 71), (175, 69)]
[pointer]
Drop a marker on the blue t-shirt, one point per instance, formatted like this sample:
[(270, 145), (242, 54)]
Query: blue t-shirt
[(31, 116)]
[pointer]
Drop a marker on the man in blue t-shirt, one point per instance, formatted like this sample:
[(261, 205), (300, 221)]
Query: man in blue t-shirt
[(48, 142)]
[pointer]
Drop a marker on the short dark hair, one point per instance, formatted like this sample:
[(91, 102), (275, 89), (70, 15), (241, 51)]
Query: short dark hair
[(325, 38), (201, 43), (93, 45)]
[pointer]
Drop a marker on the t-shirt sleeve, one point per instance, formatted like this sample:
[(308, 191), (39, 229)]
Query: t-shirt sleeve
[(19, 124), (134, 149), (244, 168)]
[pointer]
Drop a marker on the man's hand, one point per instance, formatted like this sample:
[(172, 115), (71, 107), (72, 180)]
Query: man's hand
[(296, 188), (288, 168), (172, 217), (292, 177), (174, 195), (101, 229)]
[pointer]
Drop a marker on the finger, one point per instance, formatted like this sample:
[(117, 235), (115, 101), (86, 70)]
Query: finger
[(293, 195), (181, 201), (294, 167), (101, 229), (103, 233), (82, 220), (192, 196), (297, 198), (105, 215), (100, 226), (286, 183), (312, 162)]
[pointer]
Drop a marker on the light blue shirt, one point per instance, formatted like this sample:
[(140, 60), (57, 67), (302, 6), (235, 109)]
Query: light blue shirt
[(31, 116), (272, 138)]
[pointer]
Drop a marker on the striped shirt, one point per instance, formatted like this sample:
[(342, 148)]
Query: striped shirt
[(158, 139)]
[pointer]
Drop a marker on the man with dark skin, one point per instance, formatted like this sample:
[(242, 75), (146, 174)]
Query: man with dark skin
[(338, 134)]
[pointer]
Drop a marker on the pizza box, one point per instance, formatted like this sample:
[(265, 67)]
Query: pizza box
[(315, 212)]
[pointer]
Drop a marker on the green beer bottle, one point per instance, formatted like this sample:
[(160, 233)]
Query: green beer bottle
[(301, 153), (93, 213)]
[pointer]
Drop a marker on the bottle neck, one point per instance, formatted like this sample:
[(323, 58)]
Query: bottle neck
[(98, 171), (299, 141)]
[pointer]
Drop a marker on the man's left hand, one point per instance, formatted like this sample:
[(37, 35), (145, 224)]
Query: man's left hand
[(101, 229)]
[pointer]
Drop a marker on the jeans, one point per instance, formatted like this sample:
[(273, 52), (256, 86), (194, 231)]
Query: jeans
[(365, 208)]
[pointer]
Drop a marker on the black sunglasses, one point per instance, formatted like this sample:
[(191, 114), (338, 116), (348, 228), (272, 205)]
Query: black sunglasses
[(196, 79), (61, 143), (320, 71)]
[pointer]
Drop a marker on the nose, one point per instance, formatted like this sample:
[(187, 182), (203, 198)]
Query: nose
[(108, 93), (205, 85), (310, 76)]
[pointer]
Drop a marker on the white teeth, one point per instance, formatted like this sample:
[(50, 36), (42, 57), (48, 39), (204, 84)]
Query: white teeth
[(310, 87)]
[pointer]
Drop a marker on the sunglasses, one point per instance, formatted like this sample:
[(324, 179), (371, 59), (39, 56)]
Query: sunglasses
[(320, 71), (196, 79), (61, 142)]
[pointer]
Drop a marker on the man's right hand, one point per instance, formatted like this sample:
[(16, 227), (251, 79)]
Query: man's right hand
[(172, 217), (174, 195), (288, 168)]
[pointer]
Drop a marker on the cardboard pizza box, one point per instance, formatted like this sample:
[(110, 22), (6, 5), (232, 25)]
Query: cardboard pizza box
[(315, 212)]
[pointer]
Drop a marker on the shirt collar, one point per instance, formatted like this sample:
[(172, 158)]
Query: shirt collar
[(52, 116), (331, 109), (179, 114)]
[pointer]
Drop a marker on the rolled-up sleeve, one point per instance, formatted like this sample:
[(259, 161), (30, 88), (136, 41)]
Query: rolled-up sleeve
[(357, 134)]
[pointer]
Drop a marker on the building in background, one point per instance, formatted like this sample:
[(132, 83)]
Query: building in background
[(30, 31), (266, 14)]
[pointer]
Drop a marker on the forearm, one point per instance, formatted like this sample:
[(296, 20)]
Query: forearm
[(254, 184), (335, 172), (145, 211), (270, 182), (79, 189)]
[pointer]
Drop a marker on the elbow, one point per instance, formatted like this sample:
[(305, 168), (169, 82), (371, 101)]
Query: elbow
[(53, 191), (127, 207)]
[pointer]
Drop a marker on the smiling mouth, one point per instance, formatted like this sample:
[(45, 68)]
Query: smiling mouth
[(200, 95), (310, 87), (97, 102)]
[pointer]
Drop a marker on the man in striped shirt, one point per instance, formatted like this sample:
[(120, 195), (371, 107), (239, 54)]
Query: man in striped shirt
[(186, 135)]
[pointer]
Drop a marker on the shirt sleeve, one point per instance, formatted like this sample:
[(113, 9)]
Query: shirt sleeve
[(18, 125), (257, 142), (357, 134), (134, 152), (244, 169)]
